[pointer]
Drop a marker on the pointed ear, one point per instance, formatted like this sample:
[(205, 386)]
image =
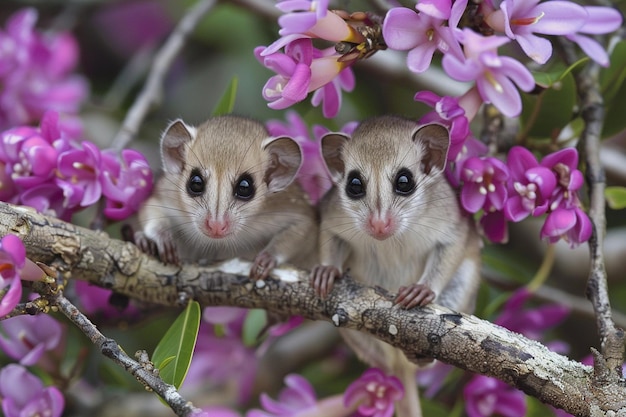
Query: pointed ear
[(435, 141), (285, 158), (331, 151), (174, 144)]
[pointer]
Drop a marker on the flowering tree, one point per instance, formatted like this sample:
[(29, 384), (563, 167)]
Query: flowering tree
[(530, 94)]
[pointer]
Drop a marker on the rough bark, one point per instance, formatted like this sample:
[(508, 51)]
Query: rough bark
[(461, 340)]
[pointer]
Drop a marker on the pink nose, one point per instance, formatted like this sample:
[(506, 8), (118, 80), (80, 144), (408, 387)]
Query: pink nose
[(217, 228), (380, 228)]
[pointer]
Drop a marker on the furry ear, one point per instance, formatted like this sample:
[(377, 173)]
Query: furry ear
[(331, 151), (435, 141), (285, 158), (174, 144)]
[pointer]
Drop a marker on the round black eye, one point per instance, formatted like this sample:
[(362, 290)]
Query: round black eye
[(355, 188), (195, 184), (244, 187), (405, 184)]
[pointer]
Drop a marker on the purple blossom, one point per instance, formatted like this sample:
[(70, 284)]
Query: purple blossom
[(374, 393), (530, 322), (313, 175), (12, 260), (301, 15), (94, 301), (23, 394), (449, 113), (301, 70), (125, 185), (484, 184), (493, 225), (423, 33), (565, 219), (298, 399), (530, 185), (35, 72), (46, 169), (600, 20), (26, 338), (570, 224), (495, 76), (485, 396), (311, 20), (520, 20), (80, 170)]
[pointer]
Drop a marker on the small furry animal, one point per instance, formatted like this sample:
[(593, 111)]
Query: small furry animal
[(227, 190), (394, 221)]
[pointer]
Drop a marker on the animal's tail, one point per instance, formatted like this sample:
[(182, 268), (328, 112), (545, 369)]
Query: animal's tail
[(409, 405)]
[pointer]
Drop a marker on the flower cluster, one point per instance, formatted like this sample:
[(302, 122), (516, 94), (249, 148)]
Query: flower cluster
[(35, 72), (46, 169), (470, 52), (303, 68), (374, 394), (513, 190)]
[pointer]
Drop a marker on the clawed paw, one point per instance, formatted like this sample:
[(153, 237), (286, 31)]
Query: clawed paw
[(165, 252), (262, 266), (323, 278), (414, 295)]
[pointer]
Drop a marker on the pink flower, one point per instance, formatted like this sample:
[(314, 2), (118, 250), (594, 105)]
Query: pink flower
[(35, 72), (80, 170), (423, 33), (484, 184), (495, 76), (485, 396), (12, 260), (520, 20), (26, 338), (530, 185), (600, 20), (530, 322), (95, 301), (374, 393), (313, 175), (126, 186), (565, 219), (303, 69), (570, 224), (23, 394), (449, 113)]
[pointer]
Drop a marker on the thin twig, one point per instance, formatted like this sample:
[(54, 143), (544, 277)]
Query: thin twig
[(142, 370), (592, 110), (152, 90)]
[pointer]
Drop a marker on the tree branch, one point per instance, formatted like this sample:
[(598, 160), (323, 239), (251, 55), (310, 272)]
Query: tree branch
[(612, 338), (461, 340), (152, 91), (142, 370)]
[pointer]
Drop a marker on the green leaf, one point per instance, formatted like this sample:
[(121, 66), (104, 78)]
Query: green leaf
[(253, 325), (174, 352), (547, 79), (227, 102), (616, 197), (544, 115)]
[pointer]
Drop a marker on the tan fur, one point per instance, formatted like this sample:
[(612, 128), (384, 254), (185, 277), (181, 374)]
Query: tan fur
[(434, 244), (222, 149)]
